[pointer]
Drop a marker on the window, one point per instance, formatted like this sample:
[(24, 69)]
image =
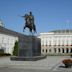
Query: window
[(67, 50), (49, 50), (62, 50), (55, 50), (59, 50), (71, 50), (43, 50), (46, 50)]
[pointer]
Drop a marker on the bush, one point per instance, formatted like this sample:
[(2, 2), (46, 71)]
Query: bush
[(16, 47), (67, 62)]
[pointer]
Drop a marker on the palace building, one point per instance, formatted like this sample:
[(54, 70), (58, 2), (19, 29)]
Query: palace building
[(9, 37), (57, 42)]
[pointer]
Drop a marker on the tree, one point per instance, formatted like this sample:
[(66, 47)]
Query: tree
[(16, 47)]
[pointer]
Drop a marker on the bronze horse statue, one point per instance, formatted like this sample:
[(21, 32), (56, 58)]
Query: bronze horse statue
[(29, 23)]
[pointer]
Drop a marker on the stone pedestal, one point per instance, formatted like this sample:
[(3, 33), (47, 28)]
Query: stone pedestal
[(29, 49), (33, 58)]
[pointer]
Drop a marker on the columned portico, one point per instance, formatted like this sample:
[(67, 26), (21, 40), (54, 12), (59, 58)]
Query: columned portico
[(56, 42)]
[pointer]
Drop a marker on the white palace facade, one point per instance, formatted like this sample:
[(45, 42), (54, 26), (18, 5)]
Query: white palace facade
[(58, 42), (9, 37)]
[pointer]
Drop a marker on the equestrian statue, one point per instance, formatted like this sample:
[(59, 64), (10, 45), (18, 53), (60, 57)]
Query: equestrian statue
[(29, 22)]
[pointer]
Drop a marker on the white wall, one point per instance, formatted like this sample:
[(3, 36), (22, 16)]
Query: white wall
[(7, 42), (55, 39)]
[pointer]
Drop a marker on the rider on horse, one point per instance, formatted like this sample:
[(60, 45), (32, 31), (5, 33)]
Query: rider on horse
[(29, 22)]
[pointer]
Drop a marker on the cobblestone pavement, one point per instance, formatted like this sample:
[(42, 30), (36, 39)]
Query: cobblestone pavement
[(51, 63)]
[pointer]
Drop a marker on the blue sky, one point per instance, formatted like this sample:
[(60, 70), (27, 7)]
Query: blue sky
[(49, 14)]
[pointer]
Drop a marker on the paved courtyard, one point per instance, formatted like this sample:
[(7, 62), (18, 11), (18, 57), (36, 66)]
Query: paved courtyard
[(51, 63)]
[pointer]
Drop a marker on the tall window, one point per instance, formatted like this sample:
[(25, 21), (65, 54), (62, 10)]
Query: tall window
[(49, 50), (55, 50), (43, 50), (67, 50), (62, 50), (71, 50), (46, 50), (59, 50)]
